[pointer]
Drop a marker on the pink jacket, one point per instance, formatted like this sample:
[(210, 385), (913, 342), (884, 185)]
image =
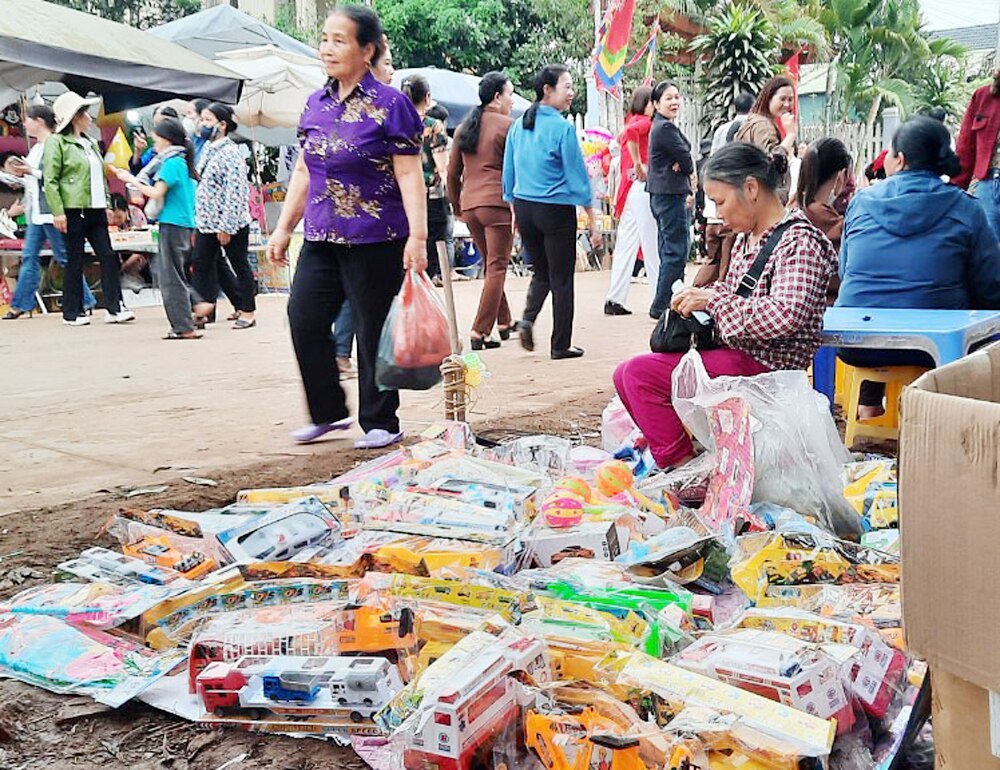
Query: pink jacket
[(978, 136)]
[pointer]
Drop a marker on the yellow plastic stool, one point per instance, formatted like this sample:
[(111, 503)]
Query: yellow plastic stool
[(887, 426), (841, 376)]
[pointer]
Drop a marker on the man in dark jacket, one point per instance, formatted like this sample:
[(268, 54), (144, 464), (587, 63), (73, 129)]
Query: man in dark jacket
[(978, 151)]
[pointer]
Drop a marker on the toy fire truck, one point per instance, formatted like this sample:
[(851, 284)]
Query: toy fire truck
[(299, 687)]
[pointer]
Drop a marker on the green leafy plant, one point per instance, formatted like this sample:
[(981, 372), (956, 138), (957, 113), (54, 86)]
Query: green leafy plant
[(742, 47)]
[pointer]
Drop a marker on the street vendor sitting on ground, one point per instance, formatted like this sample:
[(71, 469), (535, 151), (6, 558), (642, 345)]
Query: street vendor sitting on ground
[(776, 327)]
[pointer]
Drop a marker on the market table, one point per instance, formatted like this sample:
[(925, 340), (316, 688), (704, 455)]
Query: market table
[(945, 335)]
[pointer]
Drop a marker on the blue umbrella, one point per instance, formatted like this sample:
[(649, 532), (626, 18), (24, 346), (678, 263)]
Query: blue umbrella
[(457, 92)]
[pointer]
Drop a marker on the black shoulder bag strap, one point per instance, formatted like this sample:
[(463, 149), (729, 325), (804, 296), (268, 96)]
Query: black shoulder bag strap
[(749, 281)]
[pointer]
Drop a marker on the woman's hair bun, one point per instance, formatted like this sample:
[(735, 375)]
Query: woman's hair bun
[(780, 163)]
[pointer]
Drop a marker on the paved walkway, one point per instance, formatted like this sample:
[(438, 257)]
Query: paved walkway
[(96, 407)]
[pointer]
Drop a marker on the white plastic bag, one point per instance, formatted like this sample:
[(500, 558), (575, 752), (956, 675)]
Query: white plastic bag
[(798, 454), (618, 429)]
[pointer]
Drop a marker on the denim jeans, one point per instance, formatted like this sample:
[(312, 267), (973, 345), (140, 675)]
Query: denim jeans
[(29, 275), (988, 194), (343, 331), (674, 245)]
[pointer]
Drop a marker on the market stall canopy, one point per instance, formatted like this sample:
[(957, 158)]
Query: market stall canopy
[(277, 85), (224, 28), (41, 41), (458, 92)]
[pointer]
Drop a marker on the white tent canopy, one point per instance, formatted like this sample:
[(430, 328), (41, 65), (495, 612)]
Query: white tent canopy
[(224, 28), (275, 92), (42, 41)]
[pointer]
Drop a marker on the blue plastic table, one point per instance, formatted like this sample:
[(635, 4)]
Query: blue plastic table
[(946, 335)]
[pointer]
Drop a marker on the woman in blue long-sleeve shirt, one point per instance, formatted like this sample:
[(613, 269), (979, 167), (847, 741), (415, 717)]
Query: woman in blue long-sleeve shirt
[(545, 177), (913, 241)]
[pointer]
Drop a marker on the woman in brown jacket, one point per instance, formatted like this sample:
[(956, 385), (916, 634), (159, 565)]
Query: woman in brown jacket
[(476, 193), (771, 124)]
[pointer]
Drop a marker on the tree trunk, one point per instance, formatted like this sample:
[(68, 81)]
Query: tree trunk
[(831, 69), (873, 113)]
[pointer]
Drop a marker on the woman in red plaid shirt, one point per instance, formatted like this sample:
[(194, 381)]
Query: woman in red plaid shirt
[(777, 327)]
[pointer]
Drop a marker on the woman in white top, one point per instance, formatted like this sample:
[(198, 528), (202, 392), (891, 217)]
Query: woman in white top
[(39, 121)]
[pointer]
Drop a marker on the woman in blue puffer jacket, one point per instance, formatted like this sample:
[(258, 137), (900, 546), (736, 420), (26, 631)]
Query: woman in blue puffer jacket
[(914, 241)]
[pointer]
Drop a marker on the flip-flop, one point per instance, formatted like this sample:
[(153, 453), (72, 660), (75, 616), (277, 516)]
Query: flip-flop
[(176, 336), (378, 438), (309, 433)]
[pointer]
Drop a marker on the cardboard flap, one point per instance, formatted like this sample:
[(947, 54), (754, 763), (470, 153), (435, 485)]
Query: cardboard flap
[(949, 506)]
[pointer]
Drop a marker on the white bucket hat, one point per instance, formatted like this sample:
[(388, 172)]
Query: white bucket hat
[(67, 105)]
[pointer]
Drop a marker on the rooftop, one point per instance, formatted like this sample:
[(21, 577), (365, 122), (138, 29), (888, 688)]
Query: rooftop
[(982, 37)]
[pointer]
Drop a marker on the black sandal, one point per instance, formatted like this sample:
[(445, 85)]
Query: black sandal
[(480, 343), (15, 314)]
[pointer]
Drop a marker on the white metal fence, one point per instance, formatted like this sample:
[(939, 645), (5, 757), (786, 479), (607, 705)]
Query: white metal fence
[(863, 144)]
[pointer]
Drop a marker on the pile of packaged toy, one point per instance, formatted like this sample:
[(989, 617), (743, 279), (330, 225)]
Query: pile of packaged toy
[(528, 605)]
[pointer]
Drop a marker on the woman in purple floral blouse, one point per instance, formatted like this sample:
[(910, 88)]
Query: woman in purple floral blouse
[(359, 187)]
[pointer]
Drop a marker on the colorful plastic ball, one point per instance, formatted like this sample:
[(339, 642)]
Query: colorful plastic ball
[(562, 510), (576, 486), (613, 477)]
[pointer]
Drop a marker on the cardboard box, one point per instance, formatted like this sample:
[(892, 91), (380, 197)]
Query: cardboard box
[(597, 540), (949, 488), (949, 510), (961, 715)]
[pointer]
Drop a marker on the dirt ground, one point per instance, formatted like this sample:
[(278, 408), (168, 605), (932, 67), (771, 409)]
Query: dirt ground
[(40, 730), (91, 413)]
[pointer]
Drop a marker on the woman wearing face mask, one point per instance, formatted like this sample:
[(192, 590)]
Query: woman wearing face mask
[(823, 176), (39, 121), (545, 177), (222, 212), (174, 185), (475, 186), (77, 192), (771, 124), (776, 327), (914, 241), (670, 194)]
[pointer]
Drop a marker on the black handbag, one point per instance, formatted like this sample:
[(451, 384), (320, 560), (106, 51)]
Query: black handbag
[(674, 333)]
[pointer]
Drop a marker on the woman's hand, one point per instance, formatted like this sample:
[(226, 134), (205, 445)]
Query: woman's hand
[(640, 171), (415, 254), (59, 221), (277, 246), (224, 238), (596, 240), (691, 299), (123, 175), (789, 123)]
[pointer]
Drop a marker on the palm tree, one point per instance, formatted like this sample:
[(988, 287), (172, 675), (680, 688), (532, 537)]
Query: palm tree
[(742, 47)]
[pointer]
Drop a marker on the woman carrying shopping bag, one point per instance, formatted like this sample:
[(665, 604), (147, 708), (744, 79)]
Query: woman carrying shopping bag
[(359, 186)]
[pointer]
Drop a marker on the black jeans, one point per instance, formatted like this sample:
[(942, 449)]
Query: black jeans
[(872, 393), (548, 231), (89, 225), (326, 274), (210, 271)]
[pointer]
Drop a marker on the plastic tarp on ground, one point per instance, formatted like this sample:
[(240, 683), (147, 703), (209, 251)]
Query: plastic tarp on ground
[(41, 41), (224, 28), (458, 92)]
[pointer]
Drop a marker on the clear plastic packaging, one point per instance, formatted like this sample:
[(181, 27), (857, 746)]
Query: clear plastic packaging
[(798, 454)]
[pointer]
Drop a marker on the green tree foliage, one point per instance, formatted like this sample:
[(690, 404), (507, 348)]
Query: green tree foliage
[(477, 36), (741, 48), (136, 13)]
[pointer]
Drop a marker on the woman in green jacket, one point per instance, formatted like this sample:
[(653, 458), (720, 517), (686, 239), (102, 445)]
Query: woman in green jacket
[(77, 192)]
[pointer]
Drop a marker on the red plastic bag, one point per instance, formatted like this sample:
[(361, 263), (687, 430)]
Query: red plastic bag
[(415, 338), (420, 336)]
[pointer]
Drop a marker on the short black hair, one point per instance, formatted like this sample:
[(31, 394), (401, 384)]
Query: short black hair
[(926, 145), (43, 113), (118, 202), (743, 102), (438, 112)]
